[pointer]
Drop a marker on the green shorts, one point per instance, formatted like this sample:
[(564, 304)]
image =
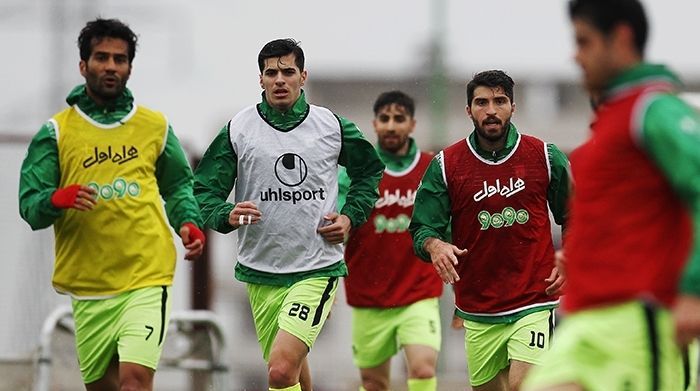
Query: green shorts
[(627, 346), (491, 346), (131, 325), (300, 309), (379, 333)]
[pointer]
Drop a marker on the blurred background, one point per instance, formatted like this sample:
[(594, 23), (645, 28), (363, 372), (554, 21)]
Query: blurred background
[(197, 62)]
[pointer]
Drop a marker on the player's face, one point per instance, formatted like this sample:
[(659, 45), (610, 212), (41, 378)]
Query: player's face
[(107, 70), (282, 81), (594, 55), (491, 110), (394, 124)]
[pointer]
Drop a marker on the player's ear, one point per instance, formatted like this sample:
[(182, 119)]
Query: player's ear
[(622, 36), (469, 111), (82, 65)]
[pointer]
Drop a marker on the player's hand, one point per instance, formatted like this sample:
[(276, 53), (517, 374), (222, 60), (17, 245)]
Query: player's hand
[(557, 279), (560, 261), (337, 230), (244, 213), (686, 316), (74, 197), (193, 239), (457, 322), (444, 257)]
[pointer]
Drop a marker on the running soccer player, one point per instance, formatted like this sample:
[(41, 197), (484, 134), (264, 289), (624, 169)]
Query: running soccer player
[(96, 171), (631, 252), (494, 189), (283, 155), (393, 294)]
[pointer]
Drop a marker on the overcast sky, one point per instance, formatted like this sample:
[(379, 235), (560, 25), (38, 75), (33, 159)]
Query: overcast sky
[(197, 60)]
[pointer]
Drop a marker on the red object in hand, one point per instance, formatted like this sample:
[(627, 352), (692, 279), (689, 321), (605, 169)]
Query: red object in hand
[(195, 233), (64, 198)]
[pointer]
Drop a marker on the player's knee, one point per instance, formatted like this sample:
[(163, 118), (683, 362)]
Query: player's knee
[(134, 384), (282, 373), (133, 387), (134, 377), (514, 384), (422, 368), (421, 371), (371, 382)]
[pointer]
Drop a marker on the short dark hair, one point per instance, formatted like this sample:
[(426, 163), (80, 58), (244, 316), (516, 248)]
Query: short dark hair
[(98, 29), (491, 79), (279, 48), (395, 97), (604, 15)]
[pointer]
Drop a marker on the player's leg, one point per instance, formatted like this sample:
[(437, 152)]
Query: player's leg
[(302, 316), (420, 336), (376, 378), (142, 330), (530, 338), (421, 361), (305, 375), (374, 342), (287, 357), (516, 373), (564, 387), (110, 379), (95, 341), (497, 383), (487, 355), (135, 377), (627, 346), (266, 303)]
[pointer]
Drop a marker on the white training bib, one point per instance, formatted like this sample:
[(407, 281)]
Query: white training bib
[(292, 176)]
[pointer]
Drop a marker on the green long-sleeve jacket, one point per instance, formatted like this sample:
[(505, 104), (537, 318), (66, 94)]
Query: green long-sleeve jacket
[(216, 175), (40, 173), (431, 214)]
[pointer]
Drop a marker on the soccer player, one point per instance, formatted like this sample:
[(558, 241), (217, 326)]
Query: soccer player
[(631, 250), (96, 171), (283, 155), (393, 294), (494, 189)]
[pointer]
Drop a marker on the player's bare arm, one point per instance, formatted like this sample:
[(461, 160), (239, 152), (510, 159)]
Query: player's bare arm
[(444, 258), (337, 230), (244, 213)]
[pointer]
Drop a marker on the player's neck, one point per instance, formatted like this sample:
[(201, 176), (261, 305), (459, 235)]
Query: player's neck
[(403, 151), (491, 145)]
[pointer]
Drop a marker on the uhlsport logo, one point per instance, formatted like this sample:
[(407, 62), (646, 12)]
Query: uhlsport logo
[(291, 171)]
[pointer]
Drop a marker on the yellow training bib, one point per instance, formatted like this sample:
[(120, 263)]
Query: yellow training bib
[(124, 243)]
